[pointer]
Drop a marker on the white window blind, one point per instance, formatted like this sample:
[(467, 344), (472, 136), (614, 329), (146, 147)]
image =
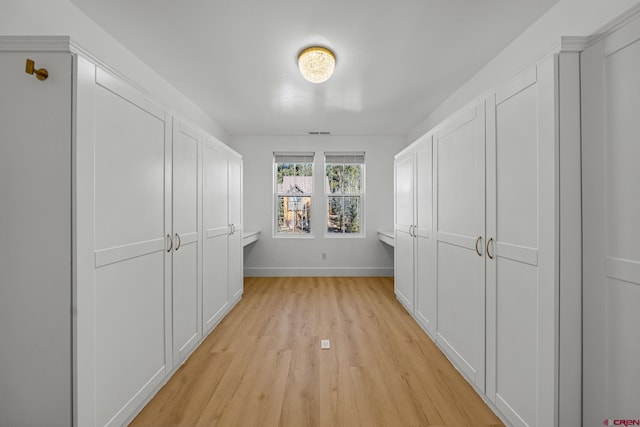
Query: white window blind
[(344, 158), (293, 157)]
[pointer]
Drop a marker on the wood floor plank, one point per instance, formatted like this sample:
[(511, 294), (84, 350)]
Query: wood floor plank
[(263, 365)]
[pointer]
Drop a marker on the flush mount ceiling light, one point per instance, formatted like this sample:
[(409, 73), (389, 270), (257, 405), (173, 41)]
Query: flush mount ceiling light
[(316, 63)]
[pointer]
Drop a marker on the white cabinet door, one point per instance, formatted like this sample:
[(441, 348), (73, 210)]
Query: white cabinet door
[(425, 285), (215, 280), (35, 236), (404, 266), (460, 174), (130, 137), (186, 307), (611, 230), (236, 254), (521, 211), (404, 217)]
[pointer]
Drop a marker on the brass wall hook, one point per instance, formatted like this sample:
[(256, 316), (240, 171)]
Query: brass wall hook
[(41, 73)]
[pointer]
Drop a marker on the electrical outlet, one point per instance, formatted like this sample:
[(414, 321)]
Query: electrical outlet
[(325, 345), (324, 256)]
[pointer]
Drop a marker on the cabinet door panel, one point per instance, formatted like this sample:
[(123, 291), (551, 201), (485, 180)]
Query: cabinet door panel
[(186, 328), (404, 218), (459, 311), (131, 285), (459, 156), (516, 283), (215, 202), (185, 300), (426, 290), (404, 192), (621, 155), (185, 180), (522, 185), (622, 370), (236, 253), (460, 216), (215, 286), (215, 257), (129, 172), (424, 184), (235, 190), (522, 277), (236, 274), (517, 330), (517, 169), (403, 280), (425, 299), (622, 265), (129, 334)]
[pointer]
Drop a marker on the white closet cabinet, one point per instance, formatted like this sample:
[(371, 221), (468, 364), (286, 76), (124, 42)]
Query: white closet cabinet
[(222, 213), (611, 206), (459, 224), (414, 281), (102, 229), (507, 234), (534, 245)]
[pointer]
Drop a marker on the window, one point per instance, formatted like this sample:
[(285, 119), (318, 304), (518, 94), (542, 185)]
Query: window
[(293, 190), (344, 189)]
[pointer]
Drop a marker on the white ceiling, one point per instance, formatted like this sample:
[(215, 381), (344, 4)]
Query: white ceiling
[(396, 59)]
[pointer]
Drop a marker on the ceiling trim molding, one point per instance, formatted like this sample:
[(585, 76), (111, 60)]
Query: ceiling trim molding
[(78, 49), (615, 24), (573, 43), (35, 43)]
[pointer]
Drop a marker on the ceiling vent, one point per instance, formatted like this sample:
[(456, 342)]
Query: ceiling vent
[(319, 133)]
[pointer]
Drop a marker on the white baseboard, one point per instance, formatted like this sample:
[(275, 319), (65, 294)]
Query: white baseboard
[(319, 272)]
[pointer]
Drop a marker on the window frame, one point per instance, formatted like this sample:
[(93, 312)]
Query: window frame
[(362, 195), (275, 195)]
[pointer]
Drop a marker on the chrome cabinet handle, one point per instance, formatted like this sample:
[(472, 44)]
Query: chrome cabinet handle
[(488, 252), (233, 227), (230, 229), (478, 241), (179, 241), (170, 243)]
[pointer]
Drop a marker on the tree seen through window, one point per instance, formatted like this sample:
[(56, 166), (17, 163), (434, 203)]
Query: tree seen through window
[(343, 182)]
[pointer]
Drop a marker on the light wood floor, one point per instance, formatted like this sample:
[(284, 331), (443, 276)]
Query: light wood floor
[(263, 366)]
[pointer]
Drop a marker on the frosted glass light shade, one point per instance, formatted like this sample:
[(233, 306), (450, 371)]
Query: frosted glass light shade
[(316, 64)]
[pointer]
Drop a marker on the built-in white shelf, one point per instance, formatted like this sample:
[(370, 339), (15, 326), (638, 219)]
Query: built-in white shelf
[(387, 237), (249, 237)]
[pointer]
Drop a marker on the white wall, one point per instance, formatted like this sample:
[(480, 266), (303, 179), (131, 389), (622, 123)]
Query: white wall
[(566, 18), (62, 18), (345, 256)]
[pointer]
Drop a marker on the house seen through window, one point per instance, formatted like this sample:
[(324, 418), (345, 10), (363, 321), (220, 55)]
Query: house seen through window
[(293, 174)]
